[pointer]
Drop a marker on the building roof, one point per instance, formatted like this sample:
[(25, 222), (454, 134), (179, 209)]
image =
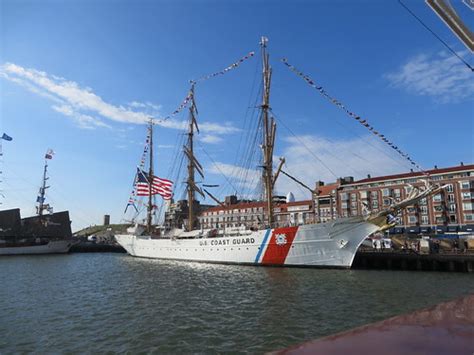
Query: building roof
[(327, 189), (415, 174)]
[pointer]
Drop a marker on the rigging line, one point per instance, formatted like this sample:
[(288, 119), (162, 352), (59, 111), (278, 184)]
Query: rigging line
[(351, 114), (435, 35), (247, 111), (245, 160), (249, 160), (215, 164), (304, 145), (402, 164), (337, 158)]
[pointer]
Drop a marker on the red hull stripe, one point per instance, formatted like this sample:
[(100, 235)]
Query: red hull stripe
[(279, 245)]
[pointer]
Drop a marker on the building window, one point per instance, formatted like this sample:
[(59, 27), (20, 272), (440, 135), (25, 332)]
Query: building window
[(451, 197), (452, 218), (363, 194), (424, 209), (423, 202), (397, 193), (437, 198), (386, 202), (438, 208), (449, 188), (452, 208), (385, 192), (466, 195), (412, 219), (374, 194), (467, 206), (440, 219), (425, 220), (344, 204), (353, 197), (375, 204), (465, 185), (344, 196), (469, 217)]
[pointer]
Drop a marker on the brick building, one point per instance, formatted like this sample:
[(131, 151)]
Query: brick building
[(446, 211), (450, 210), (250, 214)]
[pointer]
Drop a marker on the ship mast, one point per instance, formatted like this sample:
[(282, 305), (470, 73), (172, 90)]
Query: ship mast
[(193, 164), (42, 190), (269, 131), (150, 181)]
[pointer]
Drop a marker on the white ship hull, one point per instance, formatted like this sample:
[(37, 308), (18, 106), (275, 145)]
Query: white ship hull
[(52, 247), (331, 244)]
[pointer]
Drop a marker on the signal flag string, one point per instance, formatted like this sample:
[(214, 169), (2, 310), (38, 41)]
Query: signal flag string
[(224, 71), (351, 114)]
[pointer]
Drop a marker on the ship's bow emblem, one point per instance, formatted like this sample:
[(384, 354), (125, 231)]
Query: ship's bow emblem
[(281, 239)]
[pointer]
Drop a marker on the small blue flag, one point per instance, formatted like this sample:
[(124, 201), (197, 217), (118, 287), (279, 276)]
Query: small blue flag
[(6, 137)]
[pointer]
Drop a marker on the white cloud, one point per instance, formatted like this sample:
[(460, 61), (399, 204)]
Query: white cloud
[(88, 109), (82, 120), (218, 128), (441, 76), (211, 139)]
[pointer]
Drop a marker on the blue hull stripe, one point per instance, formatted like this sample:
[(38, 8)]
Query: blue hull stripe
[(260, 251)]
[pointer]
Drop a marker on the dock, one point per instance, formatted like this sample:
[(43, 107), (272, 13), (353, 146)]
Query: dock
[(412, 261)]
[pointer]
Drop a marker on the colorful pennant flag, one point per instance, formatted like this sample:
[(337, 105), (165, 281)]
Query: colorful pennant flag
[(6, 137), (49, 154)]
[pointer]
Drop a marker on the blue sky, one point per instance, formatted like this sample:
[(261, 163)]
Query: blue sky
[(81, 76)]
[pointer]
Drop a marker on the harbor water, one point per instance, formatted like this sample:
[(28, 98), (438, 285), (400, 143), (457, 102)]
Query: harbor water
[(113, 302)]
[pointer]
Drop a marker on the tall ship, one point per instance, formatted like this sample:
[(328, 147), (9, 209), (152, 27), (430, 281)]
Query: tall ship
[(45, 233), (267, 242)]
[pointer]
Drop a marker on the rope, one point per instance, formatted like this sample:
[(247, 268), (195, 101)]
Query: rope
[(304, 145)]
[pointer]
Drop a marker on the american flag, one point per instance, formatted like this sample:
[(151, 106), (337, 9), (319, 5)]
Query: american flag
[(159, 186)]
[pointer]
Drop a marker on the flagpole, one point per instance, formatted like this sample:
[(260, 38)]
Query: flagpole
[(150, 181)]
